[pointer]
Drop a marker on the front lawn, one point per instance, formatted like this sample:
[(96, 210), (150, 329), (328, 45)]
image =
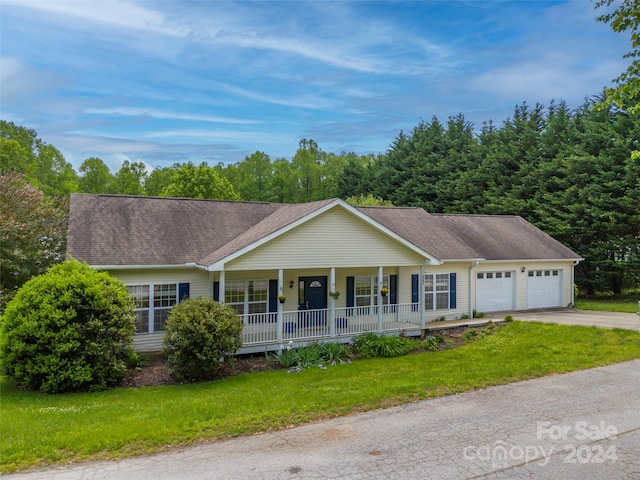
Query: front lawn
[(608, 305), (39, 429)]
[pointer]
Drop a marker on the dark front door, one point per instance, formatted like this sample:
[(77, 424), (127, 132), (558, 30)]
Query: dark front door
[(314, 293), (312, 296)]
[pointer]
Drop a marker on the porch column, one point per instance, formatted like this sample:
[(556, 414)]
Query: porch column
[(380, 305), (280, 305), (332, 303), (221, 288), (421, 297)]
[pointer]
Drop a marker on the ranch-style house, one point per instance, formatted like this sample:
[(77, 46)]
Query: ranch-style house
[(316, 271)]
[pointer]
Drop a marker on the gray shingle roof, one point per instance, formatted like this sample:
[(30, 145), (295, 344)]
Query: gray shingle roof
[(505, 237), (133, 230)]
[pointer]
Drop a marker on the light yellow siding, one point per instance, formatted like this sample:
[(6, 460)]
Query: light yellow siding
[(148, 342), (335, 238)]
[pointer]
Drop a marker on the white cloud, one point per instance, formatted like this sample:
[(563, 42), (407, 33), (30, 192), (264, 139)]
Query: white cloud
[(10, 66), (228, 135), (114, 12), (154, 113)]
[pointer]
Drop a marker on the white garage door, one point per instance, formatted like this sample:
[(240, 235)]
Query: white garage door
[(544, 288), (495, 291)]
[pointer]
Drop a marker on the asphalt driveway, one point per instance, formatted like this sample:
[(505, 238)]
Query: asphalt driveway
[(582, 425), (571, 316)]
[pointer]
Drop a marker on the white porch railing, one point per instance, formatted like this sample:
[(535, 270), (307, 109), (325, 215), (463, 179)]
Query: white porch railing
[(303, 325)]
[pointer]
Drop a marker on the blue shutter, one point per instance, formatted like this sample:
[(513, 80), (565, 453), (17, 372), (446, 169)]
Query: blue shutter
[(273, 295), (183, 291), (414, 292), (216, 291), (452, 290), (351, 291), (351, 294), (393, 289)]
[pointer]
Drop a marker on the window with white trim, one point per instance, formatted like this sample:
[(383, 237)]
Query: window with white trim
[(436, 291), (153, 304), (247, 296), (366, 290)]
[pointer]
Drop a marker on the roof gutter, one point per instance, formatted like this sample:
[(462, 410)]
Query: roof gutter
[(148, 267)]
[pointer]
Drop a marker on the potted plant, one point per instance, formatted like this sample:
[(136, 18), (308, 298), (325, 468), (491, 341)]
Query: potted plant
[(282, 297), (384, 291), (334, 295)]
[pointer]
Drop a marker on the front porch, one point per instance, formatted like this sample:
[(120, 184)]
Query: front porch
[(269, 331)]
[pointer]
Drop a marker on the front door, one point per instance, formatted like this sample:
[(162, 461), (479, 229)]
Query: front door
[(313, 294)]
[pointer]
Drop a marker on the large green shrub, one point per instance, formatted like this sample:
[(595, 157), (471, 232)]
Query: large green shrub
[(69, 329), (201, 337)]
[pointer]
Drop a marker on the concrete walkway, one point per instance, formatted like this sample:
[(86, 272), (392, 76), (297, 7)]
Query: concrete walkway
[(582, 425)]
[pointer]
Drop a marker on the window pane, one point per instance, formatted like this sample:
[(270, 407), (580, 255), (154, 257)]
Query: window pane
[(428, 283), (442, 282), (238, 307), (140, 295), (363, 301), (142, 321), (159, 317), (164, 295), (442, 300), (363, 285), (258, 307), (498, 274), (428, 301), (258, 290), (234, 292), (507, 274), (481, 275), (363, 290)]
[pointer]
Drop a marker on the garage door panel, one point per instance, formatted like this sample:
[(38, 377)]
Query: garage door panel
[(544, 289), (495, 291)]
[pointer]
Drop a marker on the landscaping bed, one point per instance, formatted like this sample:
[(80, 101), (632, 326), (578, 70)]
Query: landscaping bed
[(154, 370)]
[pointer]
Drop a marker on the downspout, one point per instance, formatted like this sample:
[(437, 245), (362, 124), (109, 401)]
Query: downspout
[(332, 303), (279, 316), (470, 289), (421, 297), (472, 301), (380, 305), (573, 282)]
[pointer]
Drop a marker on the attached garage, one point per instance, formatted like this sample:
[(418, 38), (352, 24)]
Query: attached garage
[(495, 291), (544, 289)]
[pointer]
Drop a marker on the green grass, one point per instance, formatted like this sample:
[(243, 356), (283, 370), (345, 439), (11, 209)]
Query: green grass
[(39, 429), (608, 305)]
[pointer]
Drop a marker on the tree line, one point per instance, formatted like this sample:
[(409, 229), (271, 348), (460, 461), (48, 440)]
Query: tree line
[(573, 173)]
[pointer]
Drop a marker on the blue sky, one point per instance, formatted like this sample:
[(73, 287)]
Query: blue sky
[(175, 81)]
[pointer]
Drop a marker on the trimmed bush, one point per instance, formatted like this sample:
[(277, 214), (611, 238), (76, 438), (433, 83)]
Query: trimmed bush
[(69, 329), (201, 336)]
